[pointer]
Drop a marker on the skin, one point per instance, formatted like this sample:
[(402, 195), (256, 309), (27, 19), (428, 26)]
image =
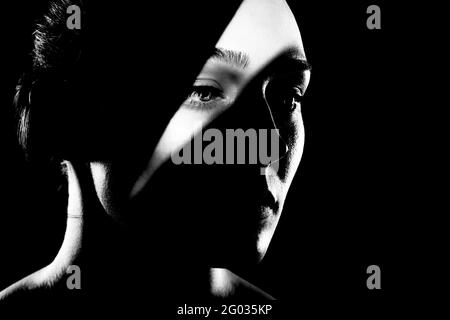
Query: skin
[(263, 30), (275, 21)]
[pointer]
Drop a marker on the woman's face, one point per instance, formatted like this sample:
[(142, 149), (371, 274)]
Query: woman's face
[(254, 80)]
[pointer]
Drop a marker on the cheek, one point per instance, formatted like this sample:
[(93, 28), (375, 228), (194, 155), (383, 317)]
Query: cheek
[(110, 188), (298, 143), (183, 126), (100, 176), (294, 135)]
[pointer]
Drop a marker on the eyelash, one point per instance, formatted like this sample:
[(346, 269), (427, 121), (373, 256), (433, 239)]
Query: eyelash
[(296, 98), (205, 97), (275, 93), (198, 95)]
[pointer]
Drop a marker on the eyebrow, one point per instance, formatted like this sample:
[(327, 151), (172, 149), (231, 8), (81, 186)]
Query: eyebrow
[(302, 65), (289, 59), (290, 63), (292, 58), (235, 58)]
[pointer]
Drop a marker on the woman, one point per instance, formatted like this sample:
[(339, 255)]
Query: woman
[(135, 217)]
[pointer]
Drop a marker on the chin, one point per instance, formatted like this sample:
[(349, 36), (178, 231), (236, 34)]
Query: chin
[(267, 232)]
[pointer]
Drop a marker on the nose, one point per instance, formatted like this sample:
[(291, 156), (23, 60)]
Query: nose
[(251, 111)]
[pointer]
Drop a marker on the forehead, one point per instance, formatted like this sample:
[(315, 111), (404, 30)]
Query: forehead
[(262, 29)]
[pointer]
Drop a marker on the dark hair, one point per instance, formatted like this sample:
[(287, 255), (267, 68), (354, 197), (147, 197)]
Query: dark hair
[(55, 53), (70, 100)]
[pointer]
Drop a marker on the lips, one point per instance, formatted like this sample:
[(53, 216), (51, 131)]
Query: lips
[(269, 201)]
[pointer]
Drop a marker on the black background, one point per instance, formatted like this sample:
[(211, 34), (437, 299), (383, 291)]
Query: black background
[(357, 197)]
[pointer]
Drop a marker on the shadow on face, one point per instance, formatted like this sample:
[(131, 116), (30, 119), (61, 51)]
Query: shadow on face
[(221, 214)]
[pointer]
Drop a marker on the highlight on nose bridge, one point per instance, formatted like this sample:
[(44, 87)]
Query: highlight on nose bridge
[(232, 146)]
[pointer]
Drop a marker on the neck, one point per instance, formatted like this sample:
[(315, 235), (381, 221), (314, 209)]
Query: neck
[(102, 247)]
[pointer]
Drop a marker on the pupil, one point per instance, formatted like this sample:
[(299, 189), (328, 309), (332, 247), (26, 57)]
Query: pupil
[(205, 95), (289, 102)]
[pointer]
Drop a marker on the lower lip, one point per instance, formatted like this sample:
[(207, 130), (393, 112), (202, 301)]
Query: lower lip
[(267, 215)]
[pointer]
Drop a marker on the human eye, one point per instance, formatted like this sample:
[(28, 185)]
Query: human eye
[(205, 94), (283, 97)]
